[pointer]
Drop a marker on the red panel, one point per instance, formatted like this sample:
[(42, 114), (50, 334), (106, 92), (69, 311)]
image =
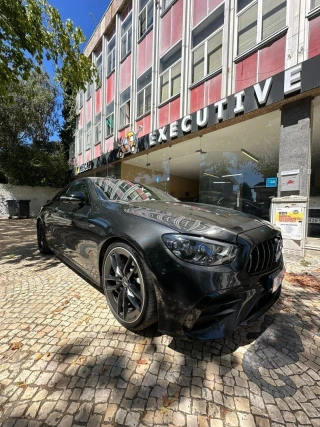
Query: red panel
[(109, 144), (79, 159), (176, 22), (110, 89), (213, 89), (88, 156), (272, 59), (145, 53), (246, 72), (97, 150), (164, 115), (174, 110), (88, 110), (166, 32), (212, 4), (125, 73), (98, 101), (81, 118), (197, 98), (149, 48), (199, 10), (124, 132), (145, 122), (314, 37)]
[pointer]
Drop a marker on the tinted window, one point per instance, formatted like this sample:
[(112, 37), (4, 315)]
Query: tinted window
[(117, 189), (79, 186)]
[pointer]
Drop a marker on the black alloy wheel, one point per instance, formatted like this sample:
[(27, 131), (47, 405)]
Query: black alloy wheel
[(128, 287), (42, 241)]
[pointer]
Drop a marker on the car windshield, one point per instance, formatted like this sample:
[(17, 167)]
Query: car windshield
[(118, 189)]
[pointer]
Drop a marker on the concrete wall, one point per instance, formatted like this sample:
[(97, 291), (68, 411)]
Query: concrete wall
[(37, 195)]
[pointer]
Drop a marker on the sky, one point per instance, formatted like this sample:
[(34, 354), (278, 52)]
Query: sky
[(85, 14)]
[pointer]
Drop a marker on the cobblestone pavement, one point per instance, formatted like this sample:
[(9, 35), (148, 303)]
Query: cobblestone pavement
[(65, 361)]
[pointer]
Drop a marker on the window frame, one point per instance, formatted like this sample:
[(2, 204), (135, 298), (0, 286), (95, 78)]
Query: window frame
[(89, 91), (97, 126), (128, 50), (169, 69), (88, 132), (260, 41), (112, 54), (143, 90), (128, 101), (99, 68), (107, 117), (148, 28)]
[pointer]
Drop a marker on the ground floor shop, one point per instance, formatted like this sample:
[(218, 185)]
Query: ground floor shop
[(241, 165)]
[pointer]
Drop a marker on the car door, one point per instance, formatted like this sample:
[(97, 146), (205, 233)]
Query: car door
[(70, 230)]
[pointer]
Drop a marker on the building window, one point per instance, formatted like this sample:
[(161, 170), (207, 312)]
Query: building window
[(111, 56), (145, 16), (97, 136), (170, 74), (315, 3), (125, 108), (89, 135), (166, 3), (89, 91), (258, 20), (126, 36), (144, 93), (99, 67), (109, 119), (207, 45), (80, 141), (79, 101)]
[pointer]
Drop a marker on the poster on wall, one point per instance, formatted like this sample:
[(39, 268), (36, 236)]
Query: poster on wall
[(289, 220)]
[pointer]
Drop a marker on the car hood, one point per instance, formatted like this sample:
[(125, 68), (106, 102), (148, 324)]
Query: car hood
[(194, 218)]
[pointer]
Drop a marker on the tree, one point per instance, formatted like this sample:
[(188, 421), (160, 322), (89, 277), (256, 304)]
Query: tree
[(27, 122), (31, 30), (69, 113)]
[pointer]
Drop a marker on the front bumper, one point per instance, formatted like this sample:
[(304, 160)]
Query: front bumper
[(208, 303)]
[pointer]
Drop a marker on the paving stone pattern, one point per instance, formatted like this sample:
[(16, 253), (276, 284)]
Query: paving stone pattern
[(65, 361)]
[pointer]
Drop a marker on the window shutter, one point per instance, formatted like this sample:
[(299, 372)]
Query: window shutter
[(176, 79), (198, 64), (214, 53), (164, 87), (273, 16), (247, 29)]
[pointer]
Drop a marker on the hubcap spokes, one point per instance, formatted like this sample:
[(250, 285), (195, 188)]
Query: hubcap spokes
[(123, 282)]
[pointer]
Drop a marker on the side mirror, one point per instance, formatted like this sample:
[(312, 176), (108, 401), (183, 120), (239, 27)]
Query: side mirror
[(74, 198)]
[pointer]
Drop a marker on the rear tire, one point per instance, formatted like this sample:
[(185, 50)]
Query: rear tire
[(129, 289), (42, 241)]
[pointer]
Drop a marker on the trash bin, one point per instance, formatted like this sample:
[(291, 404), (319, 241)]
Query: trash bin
[(18, 208)]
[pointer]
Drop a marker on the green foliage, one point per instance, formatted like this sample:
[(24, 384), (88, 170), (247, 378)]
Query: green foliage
[(69, 114), (27, 121), (31, 30), (246, 191)]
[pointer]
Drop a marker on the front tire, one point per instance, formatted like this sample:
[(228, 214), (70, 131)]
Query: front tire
[(42, 241), (129, 287)]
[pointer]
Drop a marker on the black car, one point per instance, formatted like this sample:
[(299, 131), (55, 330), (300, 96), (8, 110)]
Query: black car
[(199, 270)]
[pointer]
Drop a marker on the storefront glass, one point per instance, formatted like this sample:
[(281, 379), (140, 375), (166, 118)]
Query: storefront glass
[(227, 168), (314, 202)]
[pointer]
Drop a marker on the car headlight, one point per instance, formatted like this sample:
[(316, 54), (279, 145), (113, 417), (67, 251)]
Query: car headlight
[(200, 251)]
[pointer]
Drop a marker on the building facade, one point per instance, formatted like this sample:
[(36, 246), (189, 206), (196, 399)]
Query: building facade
[(222, 97)]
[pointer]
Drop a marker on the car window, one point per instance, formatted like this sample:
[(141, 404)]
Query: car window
[(79, 186), (118, 189)]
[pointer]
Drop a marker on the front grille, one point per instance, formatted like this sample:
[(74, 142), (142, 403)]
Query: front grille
[(265, 256)]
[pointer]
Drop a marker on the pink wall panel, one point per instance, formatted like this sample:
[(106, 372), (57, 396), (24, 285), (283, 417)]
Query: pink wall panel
[(97, 150), (199, 10), (110, 89), (212, 4), (124, 132), (246, 72), (197, 98), (125, 73), (174, 110), (88, 110), (145, 53), (164, 115), (145, 122), (213, 89), (108, 146), (165, 32), (79, 159), (98, 101), (314, 37), (176, 22), (272, 59), (81, 118), (88, 156)]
